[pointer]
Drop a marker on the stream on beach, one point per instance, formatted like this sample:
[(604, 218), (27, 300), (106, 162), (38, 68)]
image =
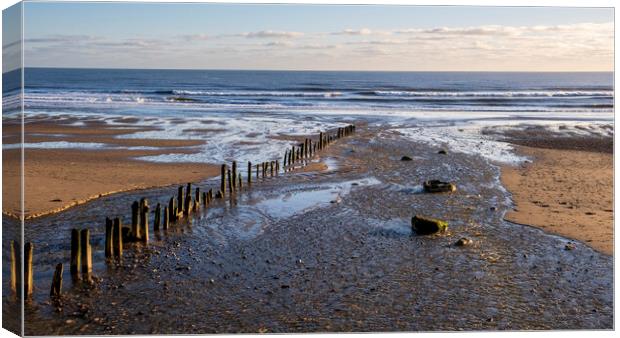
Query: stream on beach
[(330, 250)]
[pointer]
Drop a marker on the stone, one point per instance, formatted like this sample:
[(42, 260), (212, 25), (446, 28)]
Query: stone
[(406, 158), (464, 242), (442, 151), (435, 186), (423, 225)]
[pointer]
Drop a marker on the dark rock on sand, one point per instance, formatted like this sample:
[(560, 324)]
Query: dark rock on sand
[(406, 158), (425, 225), (434, 186), (464, 242), (442, 151)]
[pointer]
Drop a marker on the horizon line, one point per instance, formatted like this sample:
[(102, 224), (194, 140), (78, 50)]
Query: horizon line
[(322, 70)]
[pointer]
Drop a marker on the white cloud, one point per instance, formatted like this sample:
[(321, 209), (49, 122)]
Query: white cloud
[(271, 34), (349, 31)]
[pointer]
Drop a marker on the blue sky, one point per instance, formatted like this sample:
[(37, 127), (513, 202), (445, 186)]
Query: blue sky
[(142, 35)]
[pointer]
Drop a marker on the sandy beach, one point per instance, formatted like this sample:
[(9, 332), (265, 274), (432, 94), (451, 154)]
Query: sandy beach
[(566, 189), (56, 179)]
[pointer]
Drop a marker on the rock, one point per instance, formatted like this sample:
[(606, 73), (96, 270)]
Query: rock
[(434, 186), (569, 246), (464, 242), (406, 158), (442, 151), (425, 225)]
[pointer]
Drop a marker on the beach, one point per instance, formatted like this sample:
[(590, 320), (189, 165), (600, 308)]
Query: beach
[(325, 245), (566, 192)]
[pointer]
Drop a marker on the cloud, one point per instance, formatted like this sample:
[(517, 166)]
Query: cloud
[(348, 31), (271, 34), (278, 44), (195, 37)]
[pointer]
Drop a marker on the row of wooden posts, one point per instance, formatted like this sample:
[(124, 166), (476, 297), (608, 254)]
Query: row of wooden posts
[(178, 207)]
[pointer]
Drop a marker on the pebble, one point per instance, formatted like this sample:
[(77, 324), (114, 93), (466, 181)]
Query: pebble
[(463, 242)]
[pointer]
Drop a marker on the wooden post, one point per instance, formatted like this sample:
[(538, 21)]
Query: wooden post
[(320, 140), (293, 155), (171, 215), (290, 158), (197, 195), (180, 199), (157, 219), (187, 209), (210, 196), (223, 180), (75, 252), (117, 238), (249, 173), (277, 167), (108, 237), (310, 148), (188, 205), (28, 273), (257, 172), (144, 220), (271, 168), (230, 180), (240, 184), (264, 169), (86, 254), (234, 175), (306, 148), (56, 289), (166, 218), (285, 155), (15, 266), (205, 199), (135, 220)]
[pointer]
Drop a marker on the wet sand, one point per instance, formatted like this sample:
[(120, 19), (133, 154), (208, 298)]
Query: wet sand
[(327, 250), (57, 179), (565, 191)]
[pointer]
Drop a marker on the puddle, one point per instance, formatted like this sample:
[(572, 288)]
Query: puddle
[(312, 197)]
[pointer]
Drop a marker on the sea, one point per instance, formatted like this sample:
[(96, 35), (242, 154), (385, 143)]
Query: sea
[(298, 102)]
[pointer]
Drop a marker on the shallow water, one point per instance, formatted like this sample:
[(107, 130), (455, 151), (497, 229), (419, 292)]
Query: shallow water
[(282, 257)]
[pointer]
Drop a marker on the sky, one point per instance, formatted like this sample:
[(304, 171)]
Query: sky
[(316, 37)]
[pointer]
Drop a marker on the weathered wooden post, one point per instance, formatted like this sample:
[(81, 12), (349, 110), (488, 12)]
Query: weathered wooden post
[(290, 158), (108, 237), (56, 289), (171, 212), (230, 181), (306, 148), (135, 220), (249, 173), (86, 253), (257, 172), (223, 180), (28, 273), (210, 196), (75, 252), (293, 158), (197, 195), (271, 168), (188, 205), (117, 238), (277, 167), (205, 199), (310, 148), (180, 199), (157, 220), (166, 219), (285, 155), (15, 266), (234, 175), (144, 220), (321, 141), (264, 168), (240, 184)]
